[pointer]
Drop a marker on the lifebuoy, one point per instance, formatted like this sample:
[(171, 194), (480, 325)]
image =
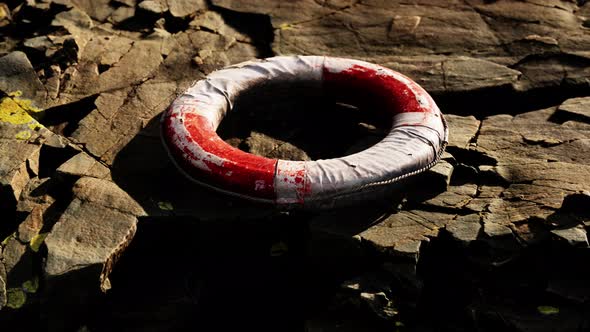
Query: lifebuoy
[(415, 142)]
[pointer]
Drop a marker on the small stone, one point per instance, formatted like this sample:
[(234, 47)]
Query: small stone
[(40, 43), (269, 147), (464, 232), (181, 8), (455, 197), (5, 18), (380, 305), (494, 230), (82, 165), (160, 34), (73, 19), (29, 228), (405, 229), (160, 24), (17, 74), (574, 236), (151, 6), (166, 206), (444, 170), (409, 249), (576, 106), (13, 178), (353, 284), (35, 194), (404, 25), (99, 10), (466, 73), (463, 130), (435, 180), (93, 231), (18, 262), (200, 58)]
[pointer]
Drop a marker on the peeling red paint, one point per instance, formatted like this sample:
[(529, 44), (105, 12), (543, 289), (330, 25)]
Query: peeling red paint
[(364, 85), (296, 180), (238, 171)]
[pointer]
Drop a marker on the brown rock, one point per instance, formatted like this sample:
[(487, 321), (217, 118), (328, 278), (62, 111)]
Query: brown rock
[(30, 227), (82, 165), (119, 114), (213, 21), (93, 231), (269, 147), (118, 59), (380, 304), (579, 108), (153, 6), (17, 75), (403, 230), (464, 231), (35, 194), (530, 135), (442, 171), (462, 130), (5, 16), (455, 197), (181, 8), (18, 262), (13, 166), (527, 172), (465, 74), (475, 34), (575, 236), (494, 230), (98, 10), (12, 253)]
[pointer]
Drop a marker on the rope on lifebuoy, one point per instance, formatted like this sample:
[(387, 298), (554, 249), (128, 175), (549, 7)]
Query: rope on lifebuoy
[(416, 141)]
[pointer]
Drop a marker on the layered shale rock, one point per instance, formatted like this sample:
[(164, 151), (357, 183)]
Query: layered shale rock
[(491, 236)]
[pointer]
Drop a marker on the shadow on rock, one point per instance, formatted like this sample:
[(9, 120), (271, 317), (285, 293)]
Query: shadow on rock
[(201, 259)]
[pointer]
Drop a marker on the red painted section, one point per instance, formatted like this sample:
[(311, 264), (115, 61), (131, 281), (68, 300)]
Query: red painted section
[(237, 171), (368, 87)]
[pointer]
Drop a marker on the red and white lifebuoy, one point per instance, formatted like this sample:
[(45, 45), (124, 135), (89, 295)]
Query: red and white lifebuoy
[(415, 142)]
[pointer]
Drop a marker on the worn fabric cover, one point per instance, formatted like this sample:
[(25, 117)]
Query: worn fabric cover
[(415, 142)]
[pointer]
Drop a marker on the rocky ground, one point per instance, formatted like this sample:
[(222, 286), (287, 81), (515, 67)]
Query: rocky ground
[(101, 233)]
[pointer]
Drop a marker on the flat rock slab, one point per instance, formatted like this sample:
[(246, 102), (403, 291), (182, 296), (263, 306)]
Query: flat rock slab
[(444, 46), (81, 159), (17, 74), (97, 225)]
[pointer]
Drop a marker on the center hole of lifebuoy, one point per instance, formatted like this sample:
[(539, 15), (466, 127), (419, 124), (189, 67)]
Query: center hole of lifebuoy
[(295, 121)]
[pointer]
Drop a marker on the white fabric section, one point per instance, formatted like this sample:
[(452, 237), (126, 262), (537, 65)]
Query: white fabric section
[(290, 181), (215, 95), (402, 151)]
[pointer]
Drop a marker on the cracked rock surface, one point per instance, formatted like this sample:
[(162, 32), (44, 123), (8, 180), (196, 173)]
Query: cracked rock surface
[(100, 232)]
